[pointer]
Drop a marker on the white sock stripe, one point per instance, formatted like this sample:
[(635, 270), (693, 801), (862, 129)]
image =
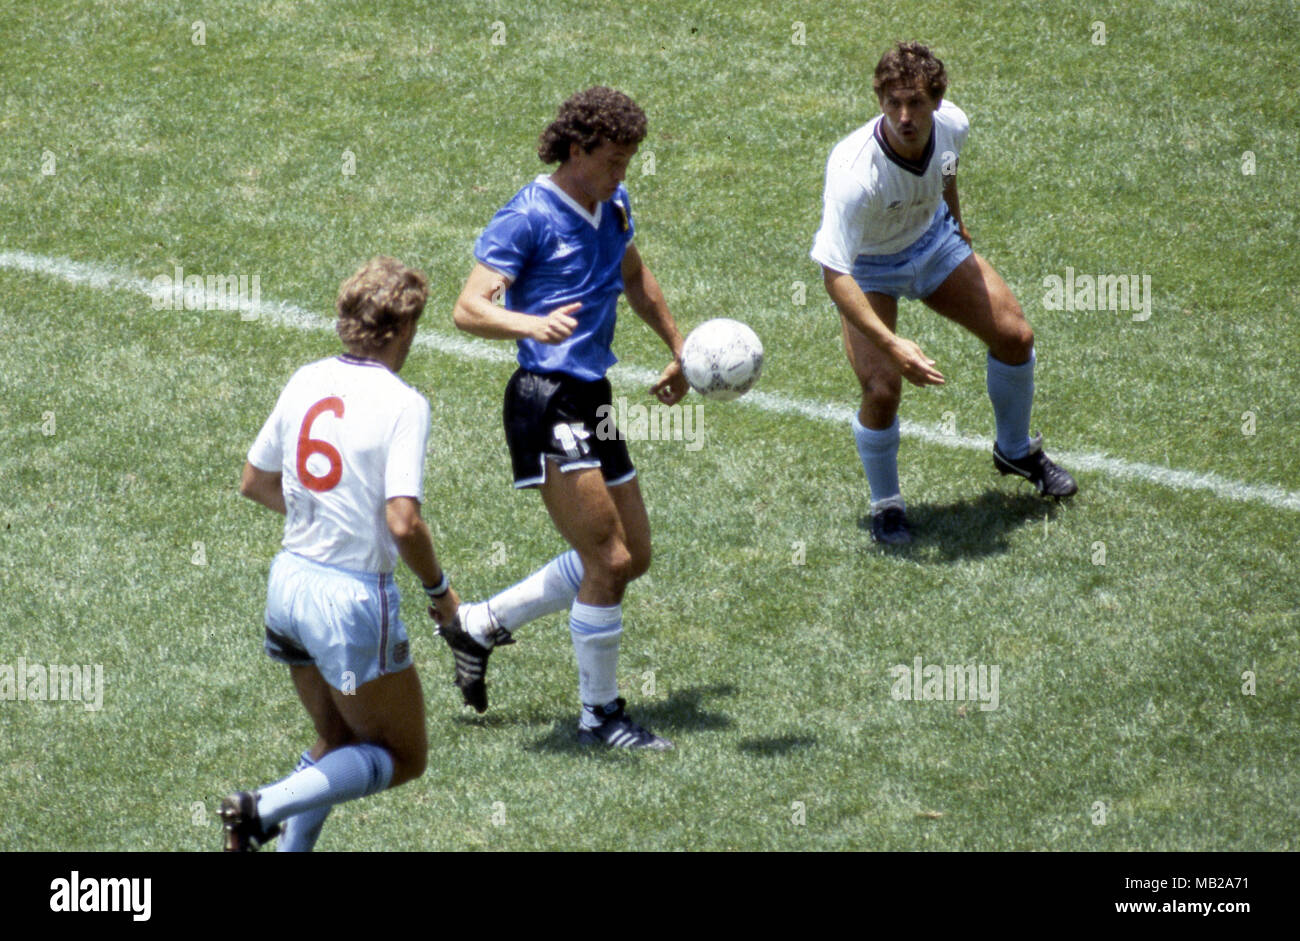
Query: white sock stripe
[(593, 615), (284, 314), (470, 665), (591, 630)]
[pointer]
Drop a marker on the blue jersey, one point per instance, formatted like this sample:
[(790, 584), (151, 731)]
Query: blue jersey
[(555, 252)]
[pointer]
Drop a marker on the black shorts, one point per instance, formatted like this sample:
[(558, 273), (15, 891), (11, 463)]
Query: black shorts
[(555, 417)]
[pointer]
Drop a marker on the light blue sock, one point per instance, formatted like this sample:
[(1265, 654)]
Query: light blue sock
[(1011, 389), (299, 833), (879, 453), (343, 775)]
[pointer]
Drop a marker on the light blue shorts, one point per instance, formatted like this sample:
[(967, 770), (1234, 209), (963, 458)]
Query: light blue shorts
[(919, 269), (344, 622)]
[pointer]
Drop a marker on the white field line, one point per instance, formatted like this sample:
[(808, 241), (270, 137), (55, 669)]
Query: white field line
[(283, 313)]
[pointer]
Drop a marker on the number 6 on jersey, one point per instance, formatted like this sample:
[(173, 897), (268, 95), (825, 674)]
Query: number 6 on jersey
[(307, 446)]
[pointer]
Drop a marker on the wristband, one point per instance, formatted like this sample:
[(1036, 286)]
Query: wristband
[(439, 590)]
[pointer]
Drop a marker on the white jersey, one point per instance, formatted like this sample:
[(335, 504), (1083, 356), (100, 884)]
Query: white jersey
[(348, 436), (878, 203)]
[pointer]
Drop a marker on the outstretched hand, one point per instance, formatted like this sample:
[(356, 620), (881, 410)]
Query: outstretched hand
[(672, 385), (916, 367)]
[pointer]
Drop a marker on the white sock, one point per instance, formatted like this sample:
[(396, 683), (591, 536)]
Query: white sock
[(478, 622), (551, 588), (344, 774), (596, 632)]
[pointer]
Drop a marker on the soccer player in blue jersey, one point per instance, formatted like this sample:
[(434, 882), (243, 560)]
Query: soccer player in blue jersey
[(891, 226), (561, 251)]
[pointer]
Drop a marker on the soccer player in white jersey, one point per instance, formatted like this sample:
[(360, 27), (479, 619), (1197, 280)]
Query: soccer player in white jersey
[(342, 456), (561, 252), (891, 227)]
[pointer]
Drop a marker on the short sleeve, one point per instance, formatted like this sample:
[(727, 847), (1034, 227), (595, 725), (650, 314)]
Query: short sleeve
[(267, 452), (843, 218), (404, 474), (507, 243), (956, 120)]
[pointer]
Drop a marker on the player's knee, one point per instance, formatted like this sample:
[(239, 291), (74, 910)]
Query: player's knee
[(614, 564), (881, 396), (1016, 343), (408, 763), (621, 566), (640, 562)]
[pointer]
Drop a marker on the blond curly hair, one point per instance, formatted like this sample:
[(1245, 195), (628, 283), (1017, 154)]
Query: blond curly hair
[(377, 303)]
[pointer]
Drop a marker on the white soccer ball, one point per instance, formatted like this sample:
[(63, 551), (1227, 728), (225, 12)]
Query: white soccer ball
[(722, 359)]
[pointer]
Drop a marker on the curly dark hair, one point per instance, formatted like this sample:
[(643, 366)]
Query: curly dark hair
[(907, 63), (589, 117), (378, 301)]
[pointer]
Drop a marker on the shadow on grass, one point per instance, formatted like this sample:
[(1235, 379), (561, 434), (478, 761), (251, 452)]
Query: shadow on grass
[(681, 711), (498, 718), (969, 528), (775, 747)]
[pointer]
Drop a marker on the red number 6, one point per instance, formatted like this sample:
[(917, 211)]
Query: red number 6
[(307, 446)]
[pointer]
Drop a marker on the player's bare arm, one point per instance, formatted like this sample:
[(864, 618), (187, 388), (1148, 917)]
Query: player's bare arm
[(645, 297), (915, 366), (263, 487), (477, 312), (415, 546), (954, 206)]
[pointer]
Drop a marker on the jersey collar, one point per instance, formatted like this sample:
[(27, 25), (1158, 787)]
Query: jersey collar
[(353, 360), (592, 220), (915, 167)]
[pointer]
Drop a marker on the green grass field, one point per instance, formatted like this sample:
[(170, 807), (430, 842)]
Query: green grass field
[(762, 639)]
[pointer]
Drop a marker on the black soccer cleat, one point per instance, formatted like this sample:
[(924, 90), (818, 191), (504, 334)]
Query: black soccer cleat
[(471, 660), (243, 826), (889, 527), (1051, 479), (618, 731)]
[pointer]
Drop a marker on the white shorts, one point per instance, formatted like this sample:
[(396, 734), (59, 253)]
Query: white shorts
[(344, 622)]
